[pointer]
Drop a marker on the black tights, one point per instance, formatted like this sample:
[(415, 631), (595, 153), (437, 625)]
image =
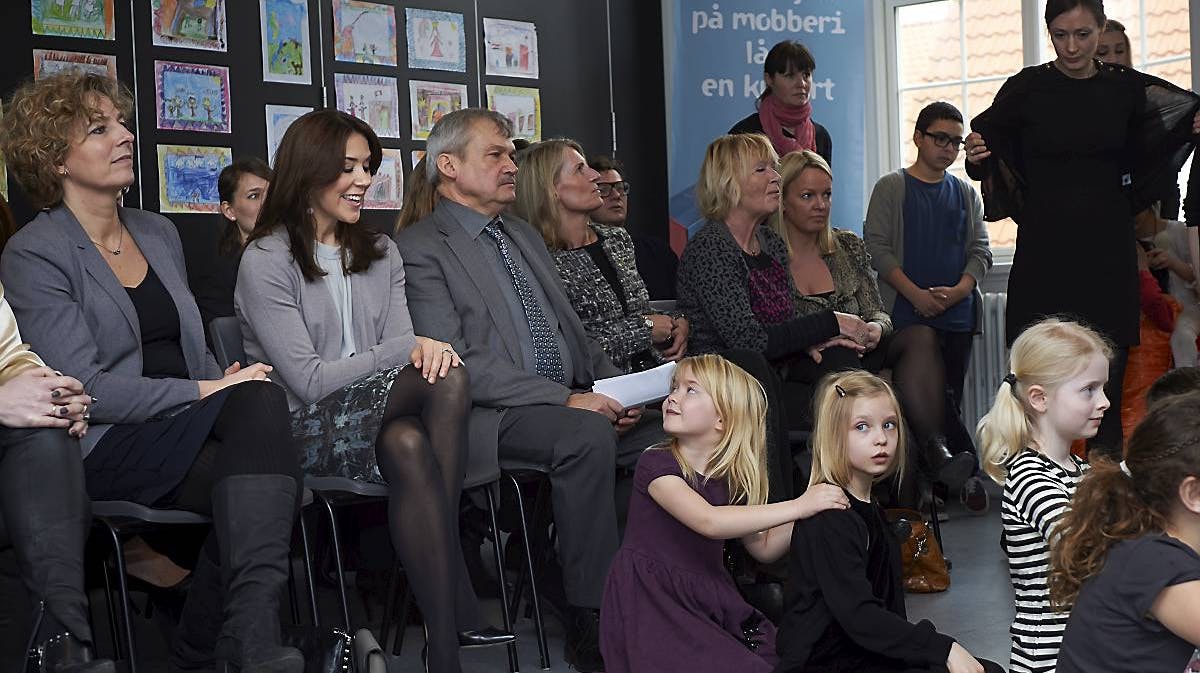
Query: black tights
[(422, 453)]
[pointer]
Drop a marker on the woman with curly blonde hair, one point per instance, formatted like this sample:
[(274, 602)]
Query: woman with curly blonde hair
[(101, 293), (1127, 558)]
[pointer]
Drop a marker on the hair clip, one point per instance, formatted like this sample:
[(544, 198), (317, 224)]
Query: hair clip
[(1010, 379), (840, 390)]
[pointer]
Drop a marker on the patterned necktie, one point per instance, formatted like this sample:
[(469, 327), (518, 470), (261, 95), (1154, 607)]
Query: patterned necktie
[(546, 358)]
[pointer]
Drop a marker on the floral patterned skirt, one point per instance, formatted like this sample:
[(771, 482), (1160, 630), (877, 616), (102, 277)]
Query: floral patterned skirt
[(336, 434)]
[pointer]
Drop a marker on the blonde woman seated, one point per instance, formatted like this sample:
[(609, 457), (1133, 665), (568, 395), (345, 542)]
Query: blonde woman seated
[(831, 271), (556, 191)]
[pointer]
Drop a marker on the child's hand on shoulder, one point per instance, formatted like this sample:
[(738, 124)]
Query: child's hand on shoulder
[(819, 498)]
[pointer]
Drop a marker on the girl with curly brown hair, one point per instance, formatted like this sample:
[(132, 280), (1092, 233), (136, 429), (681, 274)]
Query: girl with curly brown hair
[(1127, 559)]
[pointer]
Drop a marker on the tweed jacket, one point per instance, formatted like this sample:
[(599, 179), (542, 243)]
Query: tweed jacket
[(452, 296), (620, 331), (854, 287), (80, 320), (293, 325)]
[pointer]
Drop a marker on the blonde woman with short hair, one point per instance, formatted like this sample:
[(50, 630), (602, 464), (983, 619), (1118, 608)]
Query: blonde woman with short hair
[(667, 588)]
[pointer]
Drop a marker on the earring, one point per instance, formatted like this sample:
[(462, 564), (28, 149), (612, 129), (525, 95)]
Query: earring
[(309, 211)]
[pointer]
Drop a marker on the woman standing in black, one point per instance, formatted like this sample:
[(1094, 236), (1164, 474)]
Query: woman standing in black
[(1061, 139)]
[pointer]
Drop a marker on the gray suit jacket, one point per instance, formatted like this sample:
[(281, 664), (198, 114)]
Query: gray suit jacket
[(76, 315), (452, 296), (294, 326)]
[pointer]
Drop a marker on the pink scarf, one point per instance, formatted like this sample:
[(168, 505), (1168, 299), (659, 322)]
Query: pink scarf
[(775, 116)]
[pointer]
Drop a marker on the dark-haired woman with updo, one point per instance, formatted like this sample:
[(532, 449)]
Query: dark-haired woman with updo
[(242, 186), (785, 107), (1054, 151)]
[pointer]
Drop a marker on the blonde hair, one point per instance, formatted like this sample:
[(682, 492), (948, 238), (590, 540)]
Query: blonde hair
[(420, 198), (740, 457), (537, 201), (1046, 354), (795, 163), (44, 119), (726, 160), (833, 409)]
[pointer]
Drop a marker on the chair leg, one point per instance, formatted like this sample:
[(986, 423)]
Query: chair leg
[(293, 602), (402, 617), (308, 571), (389, 601), (123, 589), (337, 560), (491, 493), (111, 604), (539, 626)]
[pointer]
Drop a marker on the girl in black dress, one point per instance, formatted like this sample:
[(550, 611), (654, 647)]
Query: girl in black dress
[(1058, 155), (844, 606)]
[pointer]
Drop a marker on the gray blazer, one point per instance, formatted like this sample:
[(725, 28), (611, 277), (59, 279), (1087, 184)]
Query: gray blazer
[(294, 326), (452, 296), (76, 315)]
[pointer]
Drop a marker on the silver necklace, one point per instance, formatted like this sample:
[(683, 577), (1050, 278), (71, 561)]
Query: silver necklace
[(120, 243)]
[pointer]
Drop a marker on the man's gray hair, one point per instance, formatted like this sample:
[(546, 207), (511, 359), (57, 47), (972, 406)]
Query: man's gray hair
[(452, 133)]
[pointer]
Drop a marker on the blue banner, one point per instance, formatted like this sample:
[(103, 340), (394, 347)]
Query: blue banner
[(717, 75)]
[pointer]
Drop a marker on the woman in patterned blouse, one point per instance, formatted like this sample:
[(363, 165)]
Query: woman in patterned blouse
[(555, 192), (831, 270)]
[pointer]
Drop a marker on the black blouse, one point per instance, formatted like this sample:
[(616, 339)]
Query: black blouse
[(844, 606), (162, 354)]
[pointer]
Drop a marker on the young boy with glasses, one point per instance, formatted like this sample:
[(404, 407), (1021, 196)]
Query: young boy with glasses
[(928, 242)]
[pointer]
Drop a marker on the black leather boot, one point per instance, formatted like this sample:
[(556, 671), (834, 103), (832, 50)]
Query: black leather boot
[(61, 652), (253, 517), (946, 468), (200, 624)]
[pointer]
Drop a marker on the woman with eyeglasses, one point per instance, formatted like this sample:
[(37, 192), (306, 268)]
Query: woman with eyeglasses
[(1057, 151), (557, 192)]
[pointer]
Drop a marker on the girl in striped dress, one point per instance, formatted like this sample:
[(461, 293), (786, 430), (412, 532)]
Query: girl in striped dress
[(1053, 395)]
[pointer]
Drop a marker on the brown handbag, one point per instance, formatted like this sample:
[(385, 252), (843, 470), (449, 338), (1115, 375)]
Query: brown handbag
[(925, 570)]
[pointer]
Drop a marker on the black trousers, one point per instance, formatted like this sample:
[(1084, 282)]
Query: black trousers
[(1109, 440), (44, 518), (581, 451), (956, 358)]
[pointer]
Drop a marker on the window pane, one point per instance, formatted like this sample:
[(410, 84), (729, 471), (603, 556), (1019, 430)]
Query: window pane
[(1126, 11), (993, 37), (927, 42), (1167, 32), (1178, 73), (911, 103), (980, 96)]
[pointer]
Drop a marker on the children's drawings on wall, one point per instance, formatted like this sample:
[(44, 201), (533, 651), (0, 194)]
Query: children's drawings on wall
[(387, 187), (417, 156), (286, 55), (430, 101), (436, 40), (510, 48), (187, 177), (372, 99), (192, 97), (74, 18), (279, 118), (196, 24), (523, 107), (364, 32), (49, 62)]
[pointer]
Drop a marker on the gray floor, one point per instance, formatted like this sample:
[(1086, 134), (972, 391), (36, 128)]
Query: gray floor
[(976, 610)]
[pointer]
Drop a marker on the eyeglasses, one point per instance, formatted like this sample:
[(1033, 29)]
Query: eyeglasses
[(944, 140), (606, 188)]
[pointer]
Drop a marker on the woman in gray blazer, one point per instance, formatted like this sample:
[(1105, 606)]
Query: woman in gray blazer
[(101, 293), (321, 298)]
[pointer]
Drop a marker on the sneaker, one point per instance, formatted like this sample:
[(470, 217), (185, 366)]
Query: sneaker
[(974, 496)]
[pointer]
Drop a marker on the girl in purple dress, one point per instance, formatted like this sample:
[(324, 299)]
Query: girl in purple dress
[(669, 604)]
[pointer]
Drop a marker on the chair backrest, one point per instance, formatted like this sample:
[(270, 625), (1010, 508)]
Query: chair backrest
[(226, 335)]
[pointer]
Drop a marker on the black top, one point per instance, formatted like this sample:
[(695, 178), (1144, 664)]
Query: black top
[(1110, 628), (753, 124), (212, 284), (844, 604), (657, 264), (162, 354), (1073, 141), (604, 264)]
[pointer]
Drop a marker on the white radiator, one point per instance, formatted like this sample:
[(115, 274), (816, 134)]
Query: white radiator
[(989, 361)]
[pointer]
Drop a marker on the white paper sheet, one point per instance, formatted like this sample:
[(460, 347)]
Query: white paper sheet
[(633, 390)]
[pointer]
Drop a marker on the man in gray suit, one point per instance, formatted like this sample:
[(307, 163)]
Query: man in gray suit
[(484, 281)]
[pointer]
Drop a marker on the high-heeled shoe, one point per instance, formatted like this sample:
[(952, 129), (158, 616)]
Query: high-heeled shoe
[(64, 653), (485, 637)]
